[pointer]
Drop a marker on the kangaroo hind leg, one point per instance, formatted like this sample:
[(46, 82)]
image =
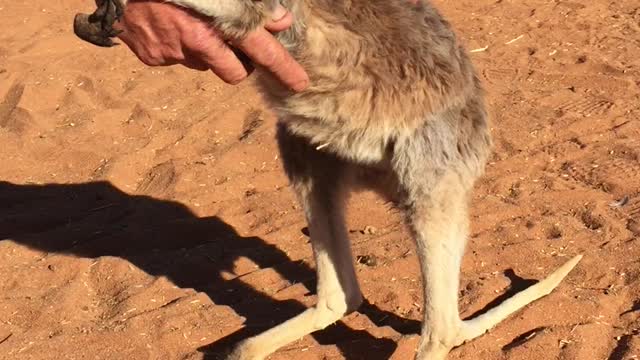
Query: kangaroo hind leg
[(319, 181)]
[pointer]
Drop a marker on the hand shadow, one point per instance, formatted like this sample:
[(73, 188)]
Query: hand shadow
[(164, 238)]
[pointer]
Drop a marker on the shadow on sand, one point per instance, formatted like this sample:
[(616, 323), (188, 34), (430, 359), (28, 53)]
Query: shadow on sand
[(164, 238)]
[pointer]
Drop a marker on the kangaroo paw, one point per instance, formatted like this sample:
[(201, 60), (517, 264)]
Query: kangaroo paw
[(97, 28)]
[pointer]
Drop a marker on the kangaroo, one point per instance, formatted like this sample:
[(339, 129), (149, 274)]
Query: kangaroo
[(394, 105)]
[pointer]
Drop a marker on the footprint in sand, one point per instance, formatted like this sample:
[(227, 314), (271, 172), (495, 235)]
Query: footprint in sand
[(13, 117), (586, 107)]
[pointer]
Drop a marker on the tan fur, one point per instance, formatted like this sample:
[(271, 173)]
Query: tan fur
[(378, 69), (394, 104)]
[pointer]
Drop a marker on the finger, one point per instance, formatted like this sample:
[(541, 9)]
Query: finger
[(193, 61), (194, 64), (267, 52), (281, 19), (220, 59)]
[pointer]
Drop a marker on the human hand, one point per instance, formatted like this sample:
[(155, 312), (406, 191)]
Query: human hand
[(162, 34)]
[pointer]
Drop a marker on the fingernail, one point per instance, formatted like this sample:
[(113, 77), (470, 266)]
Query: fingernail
[(300, 86), (278, 13)]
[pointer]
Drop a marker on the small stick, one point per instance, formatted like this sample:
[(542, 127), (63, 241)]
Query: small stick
[(6, 338), (514, 40), (479, 49)]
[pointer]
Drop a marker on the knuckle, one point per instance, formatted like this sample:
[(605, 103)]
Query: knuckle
[(176, 55), (263, 49), (152, 57), (271, 56), (147, 60)]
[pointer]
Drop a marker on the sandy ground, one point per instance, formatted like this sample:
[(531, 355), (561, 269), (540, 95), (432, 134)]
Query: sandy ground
[(144, 213)]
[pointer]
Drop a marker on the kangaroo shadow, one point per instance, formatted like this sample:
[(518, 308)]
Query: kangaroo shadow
[(165, 238)]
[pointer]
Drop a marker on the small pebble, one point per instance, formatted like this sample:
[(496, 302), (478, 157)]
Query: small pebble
[(369, 230)]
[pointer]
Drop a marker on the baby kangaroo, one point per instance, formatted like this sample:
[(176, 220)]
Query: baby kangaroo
[(394, 104)]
